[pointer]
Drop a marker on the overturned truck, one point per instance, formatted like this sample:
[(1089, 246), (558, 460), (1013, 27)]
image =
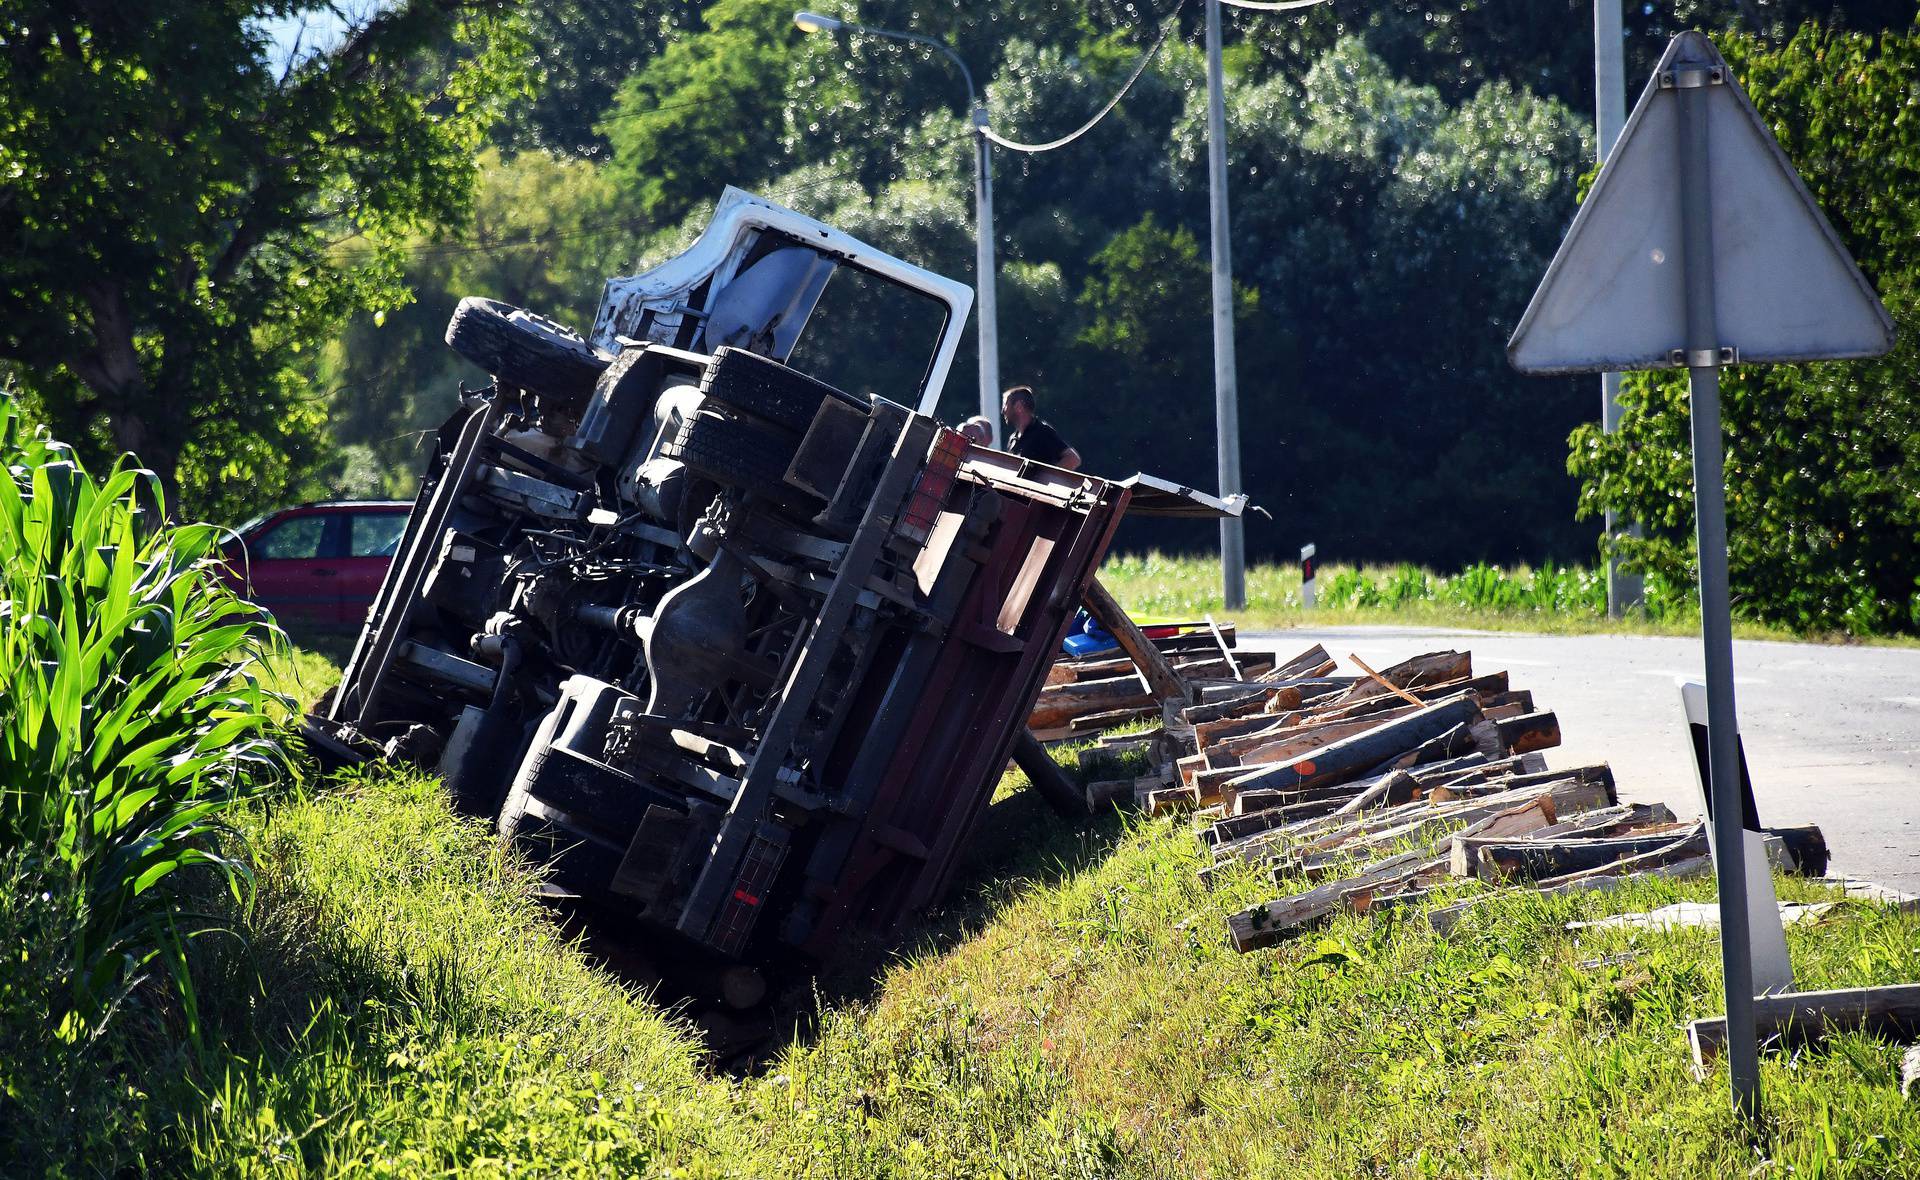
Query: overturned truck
[(738, 652)]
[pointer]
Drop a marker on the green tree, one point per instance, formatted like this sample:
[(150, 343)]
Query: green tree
[(544, 232), (582, 51), (1823, 461), (175, 203), (708, 111)]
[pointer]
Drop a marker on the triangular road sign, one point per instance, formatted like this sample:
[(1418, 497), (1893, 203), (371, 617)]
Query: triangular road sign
[(1785, 289)]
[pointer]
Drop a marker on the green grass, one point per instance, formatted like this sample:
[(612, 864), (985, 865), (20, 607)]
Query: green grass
[(1552, 600), (1087, 1020), (403, 1006)]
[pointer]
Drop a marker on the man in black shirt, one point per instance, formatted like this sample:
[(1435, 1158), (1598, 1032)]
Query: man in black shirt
[(1031, 437)]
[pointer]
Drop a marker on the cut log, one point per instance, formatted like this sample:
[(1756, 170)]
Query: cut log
[(1169, 799), (1537, 860), (1351, 757), (1802, 1018), (1691, 845), (1162, 681), (1443, 919), (1234, 705), (1268, 924), (1060, 704), (1271, 745), (1535, 731), (1600, 775), (1312, 662), (1431, 668), (1092, 723), (1807, 845)]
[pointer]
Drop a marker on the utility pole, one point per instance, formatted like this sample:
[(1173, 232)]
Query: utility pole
[(985, 274), (1226, 396), (1609, 116)]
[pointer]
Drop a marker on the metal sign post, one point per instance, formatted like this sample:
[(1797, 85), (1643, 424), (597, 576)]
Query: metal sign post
[(1699, 247), (1716, 614)]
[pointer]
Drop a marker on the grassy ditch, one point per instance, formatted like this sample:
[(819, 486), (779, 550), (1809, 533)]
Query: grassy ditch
[(399, 1004), (1568, 600)]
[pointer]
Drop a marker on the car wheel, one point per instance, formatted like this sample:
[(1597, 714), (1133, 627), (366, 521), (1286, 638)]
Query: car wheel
[(524, 349)]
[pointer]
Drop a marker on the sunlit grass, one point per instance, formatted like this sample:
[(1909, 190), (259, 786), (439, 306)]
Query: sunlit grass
[(1549, 599), (405, 1007)]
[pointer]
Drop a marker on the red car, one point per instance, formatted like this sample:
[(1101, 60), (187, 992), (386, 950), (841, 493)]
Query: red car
[(318, 564)]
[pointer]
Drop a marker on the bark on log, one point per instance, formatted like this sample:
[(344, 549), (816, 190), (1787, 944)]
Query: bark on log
[(1351, 757), (1808, 847), (1265, 925), (1691, 845), (1162, 681), (1059, 705), (1538, 860), (1535, 731), (1445, 918)]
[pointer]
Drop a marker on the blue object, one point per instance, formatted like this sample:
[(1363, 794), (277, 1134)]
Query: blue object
[(1087, 645), (1086, 637)]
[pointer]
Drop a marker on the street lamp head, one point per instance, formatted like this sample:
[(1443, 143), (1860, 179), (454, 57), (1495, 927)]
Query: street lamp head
[(813, 22)]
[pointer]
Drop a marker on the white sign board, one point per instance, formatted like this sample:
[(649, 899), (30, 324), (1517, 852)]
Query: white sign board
[(1785, 288)]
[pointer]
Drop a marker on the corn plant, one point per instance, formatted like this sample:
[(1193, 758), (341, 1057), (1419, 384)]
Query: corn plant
[(132, 720)]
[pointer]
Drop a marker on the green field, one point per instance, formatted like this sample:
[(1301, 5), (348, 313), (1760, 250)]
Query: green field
[(397, 1003), (1552, 599)]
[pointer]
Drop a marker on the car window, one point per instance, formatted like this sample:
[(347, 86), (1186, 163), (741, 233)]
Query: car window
[(375, 534), (294, 539)]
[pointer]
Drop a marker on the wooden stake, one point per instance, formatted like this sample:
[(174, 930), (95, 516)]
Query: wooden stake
[(1391, 687)]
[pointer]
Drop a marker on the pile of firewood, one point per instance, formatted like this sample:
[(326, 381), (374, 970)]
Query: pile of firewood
[(1091, 694), (1367, 791)]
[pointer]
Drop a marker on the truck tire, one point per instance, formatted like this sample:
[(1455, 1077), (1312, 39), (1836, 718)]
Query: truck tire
[(735, 454), (526, 350), (768, 390), (577, 862)]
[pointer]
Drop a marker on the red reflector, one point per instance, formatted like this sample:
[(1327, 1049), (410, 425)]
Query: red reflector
[(936, 480), (744, 896)]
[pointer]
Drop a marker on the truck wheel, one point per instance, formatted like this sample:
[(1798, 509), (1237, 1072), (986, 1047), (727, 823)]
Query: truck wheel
[(524, 349), (578, 863), (736, 454), (768, 390)]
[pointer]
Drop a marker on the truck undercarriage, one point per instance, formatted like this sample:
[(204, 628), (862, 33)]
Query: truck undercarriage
[(737, 654)]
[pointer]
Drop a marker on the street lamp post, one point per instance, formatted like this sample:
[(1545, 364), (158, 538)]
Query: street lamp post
[(1609, 116), (985, 272)]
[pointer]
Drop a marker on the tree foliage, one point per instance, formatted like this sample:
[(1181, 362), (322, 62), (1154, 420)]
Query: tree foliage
[(1399, 177), (1823, 461), (174, 205)]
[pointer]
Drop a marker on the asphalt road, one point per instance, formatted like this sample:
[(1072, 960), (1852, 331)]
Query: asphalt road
[(1832, 733)]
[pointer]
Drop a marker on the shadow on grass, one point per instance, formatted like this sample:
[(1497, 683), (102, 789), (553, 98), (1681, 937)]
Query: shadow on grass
[(1019, 845)]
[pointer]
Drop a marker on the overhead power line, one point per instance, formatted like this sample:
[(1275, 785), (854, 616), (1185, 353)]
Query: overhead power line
[(1273, 5), (1146, 59)]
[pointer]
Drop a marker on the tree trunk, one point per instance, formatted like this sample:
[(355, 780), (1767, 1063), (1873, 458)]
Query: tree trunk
[(139, 422)]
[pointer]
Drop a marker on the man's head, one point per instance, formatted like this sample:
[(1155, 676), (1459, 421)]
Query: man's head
[(977, 430), (1016, 406)]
